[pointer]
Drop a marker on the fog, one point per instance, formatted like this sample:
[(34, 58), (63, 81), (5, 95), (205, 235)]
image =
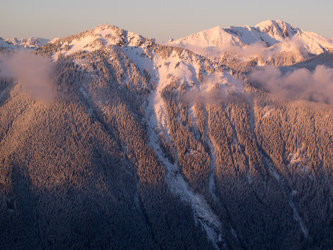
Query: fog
[(213, 90), (302, 84), (34, 73)]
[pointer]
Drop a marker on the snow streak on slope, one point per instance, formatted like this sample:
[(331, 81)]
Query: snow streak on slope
[(178, 186), (212, 169), (268, 163), (183, 71), (292, 205)]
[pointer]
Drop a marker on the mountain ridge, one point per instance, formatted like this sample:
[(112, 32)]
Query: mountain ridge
[(265, 41), (269, 39), (31, 42)]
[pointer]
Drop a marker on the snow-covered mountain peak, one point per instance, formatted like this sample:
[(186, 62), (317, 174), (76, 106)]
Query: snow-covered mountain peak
[(212, 31), (105, 35), (213, 36), (6, 45), (273, 23), (277, 29), (272, 39), (208, 42)]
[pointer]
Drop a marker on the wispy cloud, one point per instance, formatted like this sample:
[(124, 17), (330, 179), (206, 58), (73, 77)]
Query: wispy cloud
[(34, 73), (213, 90)]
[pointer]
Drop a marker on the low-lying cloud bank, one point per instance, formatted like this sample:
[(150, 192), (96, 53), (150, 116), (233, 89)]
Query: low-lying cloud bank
[(300, 84), (34, 73)]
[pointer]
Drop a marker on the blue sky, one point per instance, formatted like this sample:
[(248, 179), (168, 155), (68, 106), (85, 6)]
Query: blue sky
[(154, 18)]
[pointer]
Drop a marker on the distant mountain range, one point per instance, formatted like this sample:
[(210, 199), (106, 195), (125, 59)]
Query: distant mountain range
[(272, 36), (30, 43)]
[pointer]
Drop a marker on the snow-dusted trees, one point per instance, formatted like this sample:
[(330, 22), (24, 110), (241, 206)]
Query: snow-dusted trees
[(78, 172), (81, 172)]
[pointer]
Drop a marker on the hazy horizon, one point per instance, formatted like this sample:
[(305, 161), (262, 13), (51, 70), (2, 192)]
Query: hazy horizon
[(160, 20)]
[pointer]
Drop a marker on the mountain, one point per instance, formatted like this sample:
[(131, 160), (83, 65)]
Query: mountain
[(101, 36), (149, 146), (6, 45), (32, 42), (325, 59), (267, 40)]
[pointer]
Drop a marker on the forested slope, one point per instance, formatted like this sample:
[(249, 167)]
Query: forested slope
[(154, 147)]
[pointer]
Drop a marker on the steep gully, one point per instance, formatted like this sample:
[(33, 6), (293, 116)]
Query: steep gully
[(179, 187), (270, 166)]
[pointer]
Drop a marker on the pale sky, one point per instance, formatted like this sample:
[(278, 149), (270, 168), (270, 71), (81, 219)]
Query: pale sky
[(155, 18)]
